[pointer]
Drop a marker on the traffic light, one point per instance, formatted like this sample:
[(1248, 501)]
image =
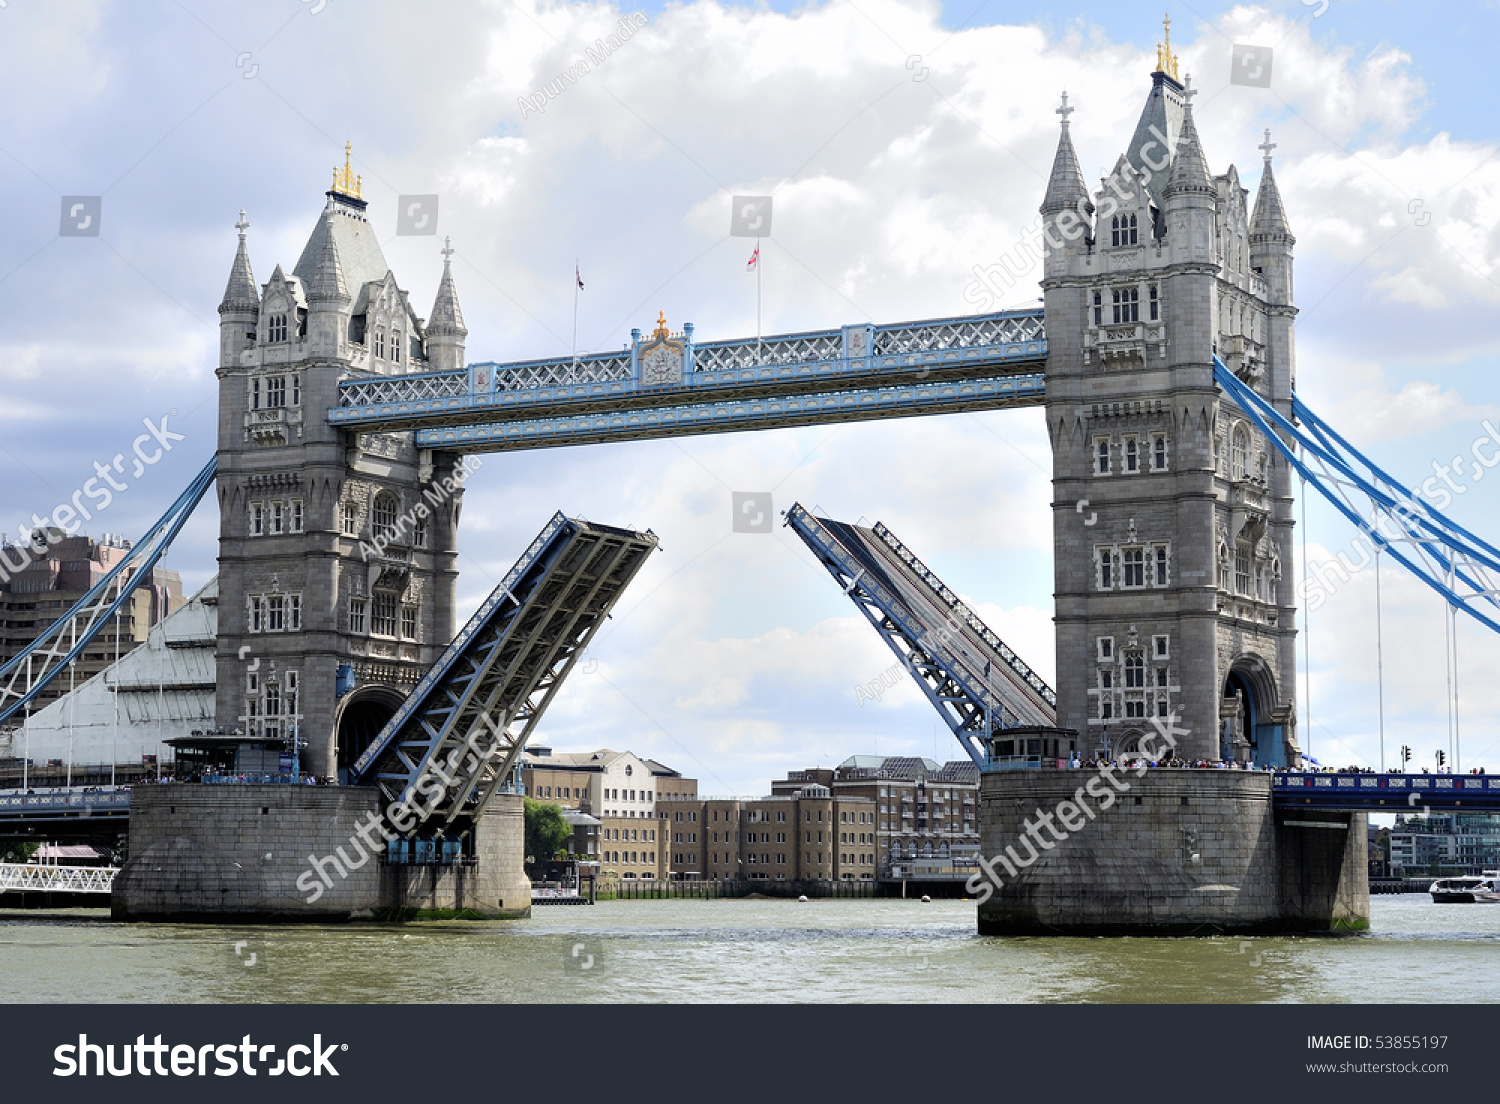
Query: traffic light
[(1441, 759), (1405, 754)]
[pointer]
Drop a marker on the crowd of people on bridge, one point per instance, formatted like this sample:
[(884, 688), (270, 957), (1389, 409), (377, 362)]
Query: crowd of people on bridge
[(1130, 762)]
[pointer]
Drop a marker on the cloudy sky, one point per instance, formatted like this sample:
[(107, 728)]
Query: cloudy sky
[(904, 142)]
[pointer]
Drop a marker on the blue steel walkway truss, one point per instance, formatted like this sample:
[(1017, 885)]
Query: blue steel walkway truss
[(459, 735), (855, 373), (972, 677)]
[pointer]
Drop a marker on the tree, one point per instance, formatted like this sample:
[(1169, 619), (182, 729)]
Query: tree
[(547, 832), (17, 852)]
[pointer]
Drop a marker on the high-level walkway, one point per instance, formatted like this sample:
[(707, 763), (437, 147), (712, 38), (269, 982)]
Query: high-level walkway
[(856, 373)]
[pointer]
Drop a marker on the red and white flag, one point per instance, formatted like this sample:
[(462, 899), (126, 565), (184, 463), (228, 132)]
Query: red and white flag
[(577, 277), (754, 260)]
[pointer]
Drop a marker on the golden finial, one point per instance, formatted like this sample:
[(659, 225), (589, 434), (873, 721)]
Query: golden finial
[(1166, 61), (344, 180), (661, 325)]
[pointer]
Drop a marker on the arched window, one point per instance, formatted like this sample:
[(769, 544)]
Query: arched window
[(1239, 452), (385, 511), (1114, 230)]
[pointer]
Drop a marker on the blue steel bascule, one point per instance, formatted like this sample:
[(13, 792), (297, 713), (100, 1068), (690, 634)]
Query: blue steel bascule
[(497, 675)]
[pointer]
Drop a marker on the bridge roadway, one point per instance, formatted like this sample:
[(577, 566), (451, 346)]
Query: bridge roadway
[(1395, 793), (1348, 791), (855, 373), (67, 806), (974, 680)]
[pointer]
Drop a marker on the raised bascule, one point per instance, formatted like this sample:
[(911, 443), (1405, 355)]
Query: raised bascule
[(1163, 359)]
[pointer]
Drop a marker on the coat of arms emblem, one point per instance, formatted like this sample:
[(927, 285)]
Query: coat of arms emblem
[(662, 356)]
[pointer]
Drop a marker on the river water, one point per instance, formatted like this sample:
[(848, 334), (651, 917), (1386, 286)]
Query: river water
[(740, 951)]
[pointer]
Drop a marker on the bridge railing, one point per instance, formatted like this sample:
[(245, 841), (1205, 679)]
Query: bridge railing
[(1402, 783), (962, 611), (782, 363), (1393, 792), (41, 878), (22, 804)]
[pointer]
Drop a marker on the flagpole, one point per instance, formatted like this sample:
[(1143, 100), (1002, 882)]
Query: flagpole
[(575, 310), (757, 300)]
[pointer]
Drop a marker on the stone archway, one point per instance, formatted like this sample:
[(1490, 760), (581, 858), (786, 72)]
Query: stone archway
[(1251, 702), (361, 717), (1128, 745)]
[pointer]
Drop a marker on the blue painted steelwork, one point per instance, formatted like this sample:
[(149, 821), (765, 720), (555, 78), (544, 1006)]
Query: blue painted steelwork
[(1387, 792), (1456, 563), (739, 415), (25, 676), (458, 737), (64, 806), (861, 358), (974, 680)]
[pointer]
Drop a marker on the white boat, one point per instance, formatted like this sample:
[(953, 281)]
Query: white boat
[(1490, 896), (1469, 890)]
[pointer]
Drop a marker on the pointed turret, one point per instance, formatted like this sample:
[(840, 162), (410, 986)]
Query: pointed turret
[(240, 306), (445, 327), (240, 293), (1189, 168), (327, 282), (1271, 237), (1065, 188), (1269, 220)]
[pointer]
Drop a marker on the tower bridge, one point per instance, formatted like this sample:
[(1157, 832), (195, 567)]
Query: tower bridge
[(1162, 357)]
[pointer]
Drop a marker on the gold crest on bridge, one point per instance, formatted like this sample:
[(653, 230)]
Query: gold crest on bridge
[(662, 356)]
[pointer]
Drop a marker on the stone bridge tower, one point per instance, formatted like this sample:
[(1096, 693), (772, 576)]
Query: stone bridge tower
[(336, 550), (1172, 515)]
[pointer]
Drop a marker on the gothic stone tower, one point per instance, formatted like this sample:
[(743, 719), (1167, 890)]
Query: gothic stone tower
[(323, 632), (1172, 515)]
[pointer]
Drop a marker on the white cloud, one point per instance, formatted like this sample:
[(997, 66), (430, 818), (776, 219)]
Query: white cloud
[(888, 191)]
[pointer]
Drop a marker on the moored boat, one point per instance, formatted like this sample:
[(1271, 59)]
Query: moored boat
[(1467, 890)]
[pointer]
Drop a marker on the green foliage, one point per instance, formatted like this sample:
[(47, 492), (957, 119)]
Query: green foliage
[(547, 832), (17, 852)]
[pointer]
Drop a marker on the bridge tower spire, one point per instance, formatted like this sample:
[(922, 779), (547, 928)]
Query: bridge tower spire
[(445, 326), (241, 303), (1172, 519)]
